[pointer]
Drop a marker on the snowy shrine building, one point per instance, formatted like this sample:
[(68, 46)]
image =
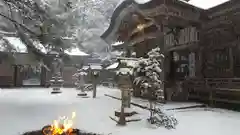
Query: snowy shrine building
[(201, 47), (23, 70)]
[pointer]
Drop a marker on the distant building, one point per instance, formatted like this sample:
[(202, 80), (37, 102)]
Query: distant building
[(24, 70)]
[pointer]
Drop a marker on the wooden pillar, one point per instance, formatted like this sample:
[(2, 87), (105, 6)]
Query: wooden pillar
[(200, 64), (18, 76), (231, 62), (167, 73), (94, 87), (43, 76)]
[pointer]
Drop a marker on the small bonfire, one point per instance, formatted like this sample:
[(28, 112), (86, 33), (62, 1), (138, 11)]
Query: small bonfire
[(62, 126)]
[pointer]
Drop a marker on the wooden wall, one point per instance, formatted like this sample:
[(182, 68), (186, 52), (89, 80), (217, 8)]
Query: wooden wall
[(6, 75)]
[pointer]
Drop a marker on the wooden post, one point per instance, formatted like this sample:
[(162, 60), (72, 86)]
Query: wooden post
[(231, 62), (94, 76), (94, 87), (126, 97), (122, 118)]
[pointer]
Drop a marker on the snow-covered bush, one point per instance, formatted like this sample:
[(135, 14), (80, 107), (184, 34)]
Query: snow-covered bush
[(147, 73), (161, 118)]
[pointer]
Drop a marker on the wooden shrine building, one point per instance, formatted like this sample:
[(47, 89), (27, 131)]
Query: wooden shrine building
[(201, 47)]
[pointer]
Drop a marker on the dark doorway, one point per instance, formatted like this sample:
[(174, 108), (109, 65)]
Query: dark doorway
[(15, 75)]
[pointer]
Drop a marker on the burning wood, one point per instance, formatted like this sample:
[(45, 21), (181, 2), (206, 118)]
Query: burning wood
[(62, 126), (73, 132)]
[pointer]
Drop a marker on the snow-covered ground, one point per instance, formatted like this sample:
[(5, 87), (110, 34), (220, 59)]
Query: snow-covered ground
[(29, 109)]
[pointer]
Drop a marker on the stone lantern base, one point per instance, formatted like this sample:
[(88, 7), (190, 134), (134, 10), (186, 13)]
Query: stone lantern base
[(123, 116), (82, 94), (56, 91), (128, 112)]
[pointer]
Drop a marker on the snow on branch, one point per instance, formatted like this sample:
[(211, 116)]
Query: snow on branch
[(63, 23), (148, 70)]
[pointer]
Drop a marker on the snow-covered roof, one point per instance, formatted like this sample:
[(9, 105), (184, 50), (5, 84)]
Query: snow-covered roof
[(40, 47), (17, 44), (124, 71), (85, 67), (206, 4), (117, 43), (130, 63), (75, 52), (113, 66), (117, 53), (93, 66), (53, 52), (137, 1), (142, 1)]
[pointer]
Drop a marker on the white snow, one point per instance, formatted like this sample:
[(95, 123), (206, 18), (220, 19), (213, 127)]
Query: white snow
[(2, 47), (117, 43), (113, 66), (142, 1), (40, 47), (17, 44), (29, 109), (96, 67), (124, 71), (130, 63), (85, 67), (205, 4), (75, 52), (117, 53), (53, 52), (93, 66), (137, 1)]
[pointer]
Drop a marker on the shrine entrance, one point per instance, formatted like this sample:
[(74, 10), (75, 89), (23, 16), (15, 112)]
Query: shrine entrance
[(31, 75)]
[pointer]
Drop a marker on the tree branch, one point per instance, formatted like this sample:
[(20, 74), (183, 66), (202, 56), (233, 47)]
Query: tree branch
[(15, 22)]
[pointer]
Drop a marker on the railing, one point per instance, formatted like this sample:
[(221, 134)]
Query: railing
[(213, 90), (223, 83)]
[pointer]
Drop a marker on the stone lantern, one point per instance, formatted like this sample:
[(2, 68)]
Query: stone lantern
[(56, 80), (125, 85), (80, 83), (94, 75)]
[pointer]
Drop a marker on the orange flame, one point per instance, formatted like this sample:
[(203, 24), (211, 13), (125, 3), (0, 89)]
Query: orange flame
[(63, 125)]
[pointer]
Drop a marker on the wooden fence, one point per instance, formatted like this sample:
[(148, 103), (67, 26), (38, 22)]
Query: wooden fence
[(225, 90)]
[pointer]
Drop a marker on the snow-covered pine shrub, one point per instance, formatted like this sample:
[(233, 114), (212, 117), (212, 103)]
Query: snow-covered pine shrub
[(162, 119), (147, 74)]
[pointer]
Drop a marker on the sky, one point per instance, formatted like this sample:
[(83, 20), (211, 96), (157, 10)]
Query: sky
[(205, 4)]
